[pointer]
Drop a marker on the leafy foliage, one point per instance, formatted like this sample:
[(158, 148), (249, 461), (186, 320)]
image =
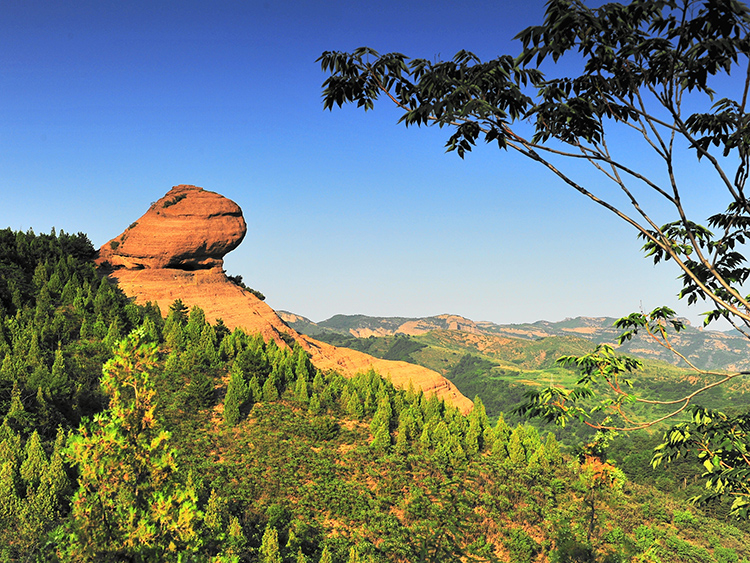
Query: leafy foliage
[(721, 443), (650, 71)]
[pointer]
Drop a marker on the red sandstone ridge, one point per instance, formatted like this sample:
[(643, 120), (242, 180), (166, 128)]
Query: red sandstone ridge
[(176, 251)]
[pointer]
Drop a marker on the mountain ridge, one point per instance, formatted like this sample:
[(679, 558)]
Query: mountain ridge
[(707, 349)]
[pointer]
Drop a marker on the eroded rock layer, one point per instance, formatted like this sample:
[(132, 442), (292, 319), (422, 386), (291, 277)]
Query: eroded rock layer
[(191, 271)]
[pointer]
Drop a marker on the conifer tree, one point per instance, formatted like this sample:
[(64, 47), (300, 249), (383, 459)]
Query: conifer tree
[(129, 504), (301, 367), (35, 464), (17, 417), (10, 445), (43, 412), (201, 389), (353, 556), (56, 476), (99, 330), (404, 433), (208, 343), (269, 546), (255, 391), (380, 425), (318, 382), (237, 395), (478, 421), (213, 517), (325, 556), (9, 499), (113, 332), (270, 391), (314, 407), (194, 327), (87, 330), (236, 541), (502, 437), (59, 378), (354, 405), (150, 329), (300, 388)]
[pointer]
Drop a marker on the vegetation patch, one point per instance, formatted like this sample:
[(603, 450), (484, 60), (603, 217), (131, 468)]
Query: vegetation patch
[(174, 200)]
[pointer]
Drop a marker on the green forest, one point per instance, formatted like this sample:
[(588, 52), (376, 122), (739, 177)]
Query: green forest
[(131, 434)]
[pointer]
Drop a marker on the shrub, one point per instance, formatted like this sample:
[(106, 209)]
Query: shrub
[(174, 200)]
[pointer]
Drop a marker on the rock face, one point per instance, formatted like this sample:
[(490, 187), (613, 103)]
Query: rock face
[(189, 228), (176, 251)]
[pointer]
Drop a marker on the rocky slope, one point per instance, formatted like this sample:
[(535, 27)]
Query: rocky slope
[(175, 251)]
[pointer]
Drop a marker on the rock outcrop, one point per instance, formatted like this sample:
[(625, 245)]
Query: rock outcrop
[(189, 229), (175, 251)]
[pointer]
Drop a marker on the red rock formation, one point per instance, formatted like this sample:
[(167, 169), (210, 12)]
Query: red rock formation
[(162, 258), (189, 228)]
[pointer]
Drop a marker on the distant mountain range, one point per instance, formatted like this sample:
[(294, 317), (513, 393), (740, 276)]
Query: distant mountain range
[(706, 349)]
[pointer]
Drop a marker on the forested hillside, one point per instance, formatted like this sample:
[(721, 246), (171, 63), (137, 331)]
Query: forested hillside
[(127, 436)]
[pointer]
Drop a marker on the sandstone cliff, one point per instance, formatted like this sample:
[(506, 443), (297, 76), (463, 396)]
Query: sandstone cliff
[(175, 251)]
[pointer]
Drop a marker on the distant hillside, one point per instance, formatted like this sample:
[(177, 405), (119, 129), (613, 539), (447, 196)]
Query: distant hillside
[(705, 348)]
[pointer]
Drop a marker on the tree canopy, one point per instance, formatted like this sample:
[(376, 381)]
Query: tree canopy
[(670, 76)]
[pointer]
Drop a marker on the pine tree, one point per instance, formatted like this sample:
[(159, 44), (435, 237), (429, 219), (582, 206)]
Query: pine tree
[(213, 517), (255, 393), (318, 382), (201, 389), (59, 378), (354, 406), (236, 541), (114, 334), (478, 421), (56, 476), (99, 330), (380, 425), (10, 445), (194, 327), (403, 432), (129, 504), (43, 412), (502, 437), (325, 556), (9, 500), (550, 453), (237, 395), (17, 417), (300, 388), (35, 464), (208, 343), (269, 546), (314, 406), (270, 391), (150, 330)]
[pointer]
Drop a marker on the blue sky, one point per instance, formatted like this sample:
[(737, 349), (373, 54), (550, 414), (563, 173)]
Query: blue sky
[(106, 105)]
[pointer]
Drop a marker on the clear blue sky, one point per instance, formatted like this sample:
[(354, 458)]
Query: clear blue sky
[(106, 105)]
